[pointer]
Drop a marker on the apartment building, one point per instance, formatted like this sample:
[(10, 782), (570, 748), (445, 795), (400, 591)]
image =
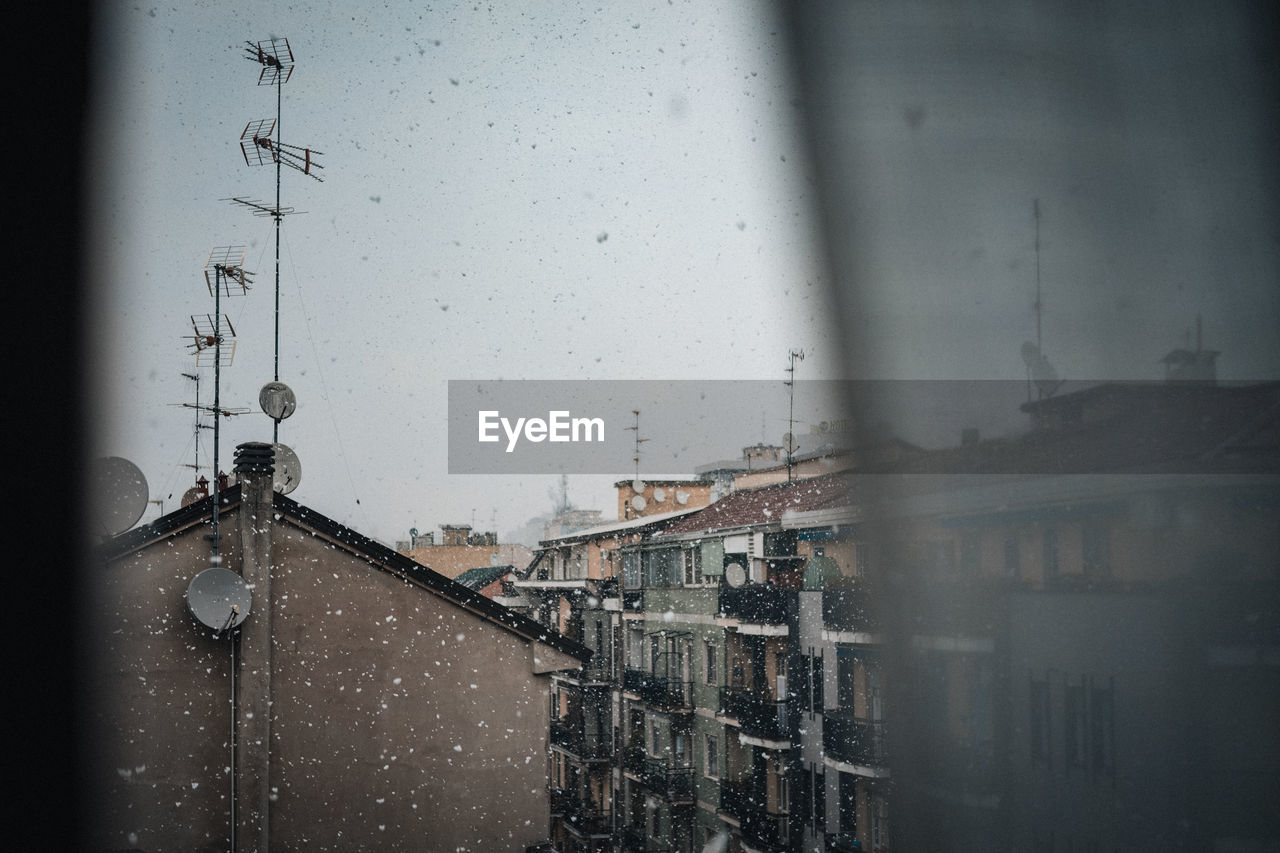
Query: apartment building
[(571, 586), (1081, 626)]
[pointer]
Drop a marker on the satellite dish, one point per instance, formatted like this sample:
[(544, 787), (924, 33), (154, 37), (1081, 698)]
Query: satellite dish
[(659, 495), (277, 400), (118, 495), (638, 503), (1041, 371), (637, 485), (219, 599), (191, 495), (682, 497), (735, 575), (288, 470)]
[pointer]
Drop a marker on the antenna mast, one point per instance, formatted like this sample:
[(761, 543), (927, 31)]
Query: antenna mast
[(259, 148), (639, 441), (229, 276), (1035, 212), (795, 355)]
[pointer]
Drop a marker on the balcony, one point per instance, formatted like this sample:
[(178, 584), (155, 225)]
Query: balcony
[(758, 604), (559, 800), (770, 830), (571, 735), (735, 799), (661, 693), (585, 819), (847, 607), (671, 783), (843, 842), (597, 670), (635, 839), (633, 760), (854, 741), (758, 714)]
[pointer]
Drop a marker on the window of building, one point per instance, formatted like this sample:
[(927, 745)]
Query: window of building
[(632, 576), (879, 823), (846, 690), (848, 803), (709, 671), (818, 698), (800, 683), (1050, 554), (1095, 549), (1074, 724), (693, 567), (1103, 730), (712, 757), (1012, 557), (819, 800), (1039, 727)]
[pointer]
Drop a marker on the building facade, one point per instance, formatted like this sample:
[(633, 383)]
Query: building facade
[(365, 702)]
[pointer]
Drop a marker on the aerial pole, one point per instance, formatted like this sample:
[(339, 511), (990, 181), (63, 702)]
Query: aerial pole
[(224, 274), (795, 355), (260, 143)]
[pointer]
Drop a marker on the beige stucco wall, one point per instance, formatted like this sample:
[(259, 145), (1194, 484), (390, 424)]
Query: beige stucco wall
[(399, 721)]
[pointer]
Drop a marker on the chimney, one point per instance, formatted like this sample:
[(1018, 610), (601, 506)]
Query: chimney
[(252, 710)]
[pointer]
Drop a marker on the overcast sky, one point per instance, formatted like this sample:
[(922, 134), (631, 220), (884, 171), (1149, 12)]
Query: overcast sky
[(528, 190), (620, 191)]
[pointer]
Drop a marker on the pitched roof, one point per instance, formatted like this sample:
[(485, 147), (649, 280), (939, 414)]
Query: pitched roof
[(481, 576), (765, 505), (613, 527), (377, 554)]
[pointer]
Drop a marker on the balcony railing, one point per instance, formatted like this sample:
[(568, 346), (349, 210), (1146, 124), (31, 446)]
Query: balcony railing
[(843, 842), (599, 668), (768, 829), (854, 741), (585, 818), (757, 713), (735, 798), (633, 759), (572, 735), (664, 694), (846, 606), (672, 783), (759, 604), (559, 800), (633, 838)]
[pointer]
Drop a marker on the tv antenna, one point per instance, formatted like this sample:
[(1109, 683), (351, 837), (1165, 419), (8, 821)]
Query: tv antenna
[(789, 439), (224, 272), (1039, 370), (639, 441), (261, 143)]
